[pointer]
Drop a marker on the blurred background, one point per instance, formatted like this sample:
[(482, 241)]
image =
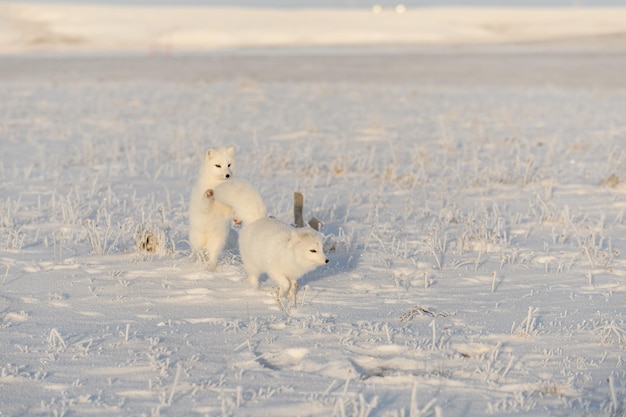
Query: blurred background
[(352, 3)]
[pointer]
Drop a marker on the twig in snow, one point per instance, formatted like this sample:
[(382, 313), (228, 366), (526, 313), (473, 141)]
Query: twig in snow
[(298, 205), (55, 339), (174, 385), (413, 404), (526, 327), (614, 404), (279, 301), (421, 310), (434, 326), (6, 274), (315, 223), (303, 294), (432, 250), (330, 387)]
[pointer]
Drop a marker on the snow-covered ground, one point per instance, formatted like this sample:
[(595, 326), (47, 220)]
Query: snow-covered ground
[(473, 207)]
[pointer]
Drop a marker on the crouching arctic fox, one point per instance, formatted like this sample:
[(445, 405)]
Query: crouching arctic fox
[(267, 245), (209, 220)]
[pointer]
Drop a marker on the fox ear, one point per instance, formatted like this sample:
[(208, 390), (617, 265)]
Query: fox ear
[(231, 151), (209, 153)]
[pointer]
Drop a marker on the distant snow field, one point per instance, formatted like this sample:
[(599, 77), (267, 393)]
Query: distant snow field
[(159, 28), (473, 208)]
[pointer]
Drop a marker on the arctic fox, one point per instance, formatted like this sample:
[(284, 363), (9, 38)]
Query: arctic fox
[(267, 245), (283, 252), (209, 220)]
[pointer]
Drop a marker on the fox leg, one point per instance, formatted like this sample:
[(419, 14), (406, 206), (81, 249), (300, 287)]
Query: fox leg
[(283, 283)]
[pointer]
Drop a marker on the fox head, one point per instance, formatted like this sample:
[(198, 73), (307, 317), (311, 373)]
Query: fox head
[(308, 247), (219, 163)]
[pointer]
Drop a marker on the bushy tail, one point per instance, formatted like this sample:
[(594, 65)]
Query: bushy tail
[(244, 199)]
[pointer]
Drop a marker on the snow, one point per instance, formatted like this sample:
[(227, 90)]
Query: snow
[(473, 206), (161, 28)]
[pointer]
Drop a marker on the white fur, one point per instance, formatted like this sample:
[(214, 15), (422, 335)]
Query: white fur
[(209, 220), (244, 199), (283, 252)]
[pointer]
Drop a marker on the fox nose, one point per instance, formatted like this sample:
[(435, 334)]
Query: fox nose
[(227, 175), (326, 261)]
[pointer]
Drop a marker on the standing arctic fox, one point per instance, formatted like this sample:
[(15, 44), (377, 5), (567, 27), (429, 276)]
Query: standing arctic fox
[(209, 220), (283, 252)]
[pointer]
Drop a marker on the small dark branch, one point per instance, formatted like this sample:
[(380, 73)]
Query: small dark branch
[(298, 205), (418, 311), (315, 224)]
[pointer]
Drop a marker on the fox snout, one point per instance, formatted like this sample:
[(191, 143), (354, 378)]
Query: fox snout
[(326, 261), (227, 176)]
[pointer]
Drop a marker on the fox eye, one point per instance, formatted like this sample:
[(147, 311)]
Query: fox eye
[(218, 166), (228, 165), (313, 251)]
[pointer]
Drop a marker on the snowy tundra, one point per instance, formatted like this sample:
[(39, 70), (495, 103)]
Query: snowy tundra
[(473, 206)]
